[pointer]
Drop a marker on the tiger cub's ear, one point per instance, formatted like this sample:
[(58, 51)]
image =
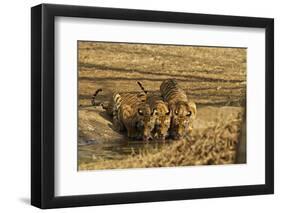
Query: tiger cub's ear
[(192, 107)]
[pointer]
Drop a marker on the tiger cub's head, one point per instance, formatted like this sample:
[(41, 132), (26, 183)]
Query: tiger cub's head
[(183, 114), (162, 120), (145, 121)]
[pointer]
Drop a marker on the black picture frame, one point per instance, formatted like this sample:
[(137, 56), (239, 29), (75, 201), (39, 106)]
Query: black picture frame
[(43, 117)]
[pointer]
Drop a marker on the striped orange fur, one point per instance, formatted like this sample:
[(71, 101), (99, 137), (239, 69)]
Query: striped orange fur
[(136, 115), (183, 110), (130, 112), (162, 116)]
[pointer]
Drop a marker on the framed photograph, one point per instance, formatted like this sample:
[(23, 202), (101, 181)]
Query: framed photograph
[(139, 106)]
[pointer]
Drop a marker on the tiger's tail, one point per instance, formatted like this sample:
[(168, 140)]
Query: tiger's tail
[(117, 99), (94, 97), (142, 88)]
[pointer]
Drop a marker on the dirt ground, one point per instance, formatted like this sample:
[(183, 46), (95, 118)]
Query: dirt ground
[(215, 78)]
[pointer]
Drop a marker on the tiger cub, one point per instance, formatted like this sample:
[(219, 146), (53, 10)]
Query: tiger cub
[(131, 112), (183, 110), (137, 117), (163, 115)]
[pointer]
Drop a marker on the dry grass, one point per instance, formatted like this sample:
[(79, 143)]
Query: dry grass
[(209, 75)]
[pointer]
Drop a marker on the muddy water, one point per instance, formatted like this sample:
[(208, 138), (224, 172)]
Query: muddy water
[(116, 149)]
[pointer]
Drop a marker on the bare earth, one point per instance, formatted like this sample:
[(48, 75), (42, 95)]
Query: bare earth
[(215, 78)]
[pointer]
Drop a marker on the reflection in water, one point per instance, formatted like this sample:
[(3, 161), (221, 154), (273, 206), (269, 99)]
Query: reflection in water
[(115, 150)]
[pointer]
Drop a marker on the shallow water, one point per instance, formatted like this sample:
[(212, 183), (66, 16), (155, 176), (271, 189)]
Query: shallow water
[(116, 150)]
